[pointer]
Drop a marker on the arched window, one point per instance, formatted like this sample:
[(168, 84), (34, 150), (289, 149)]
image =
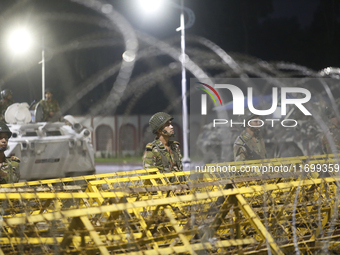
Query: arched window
[(104, 138), (147, 136), (127, 137)]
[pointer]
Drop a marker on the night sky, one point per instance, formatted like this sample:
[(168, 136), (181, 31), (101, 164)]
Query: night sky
[(305, 32)]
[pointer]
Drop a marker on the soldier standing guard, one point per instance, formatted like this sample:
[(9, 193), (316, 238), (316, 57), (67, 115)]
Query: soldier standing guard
[(334, 133), (9, 166), (50, 106), (249, 145), (162, 153), (6, 100)]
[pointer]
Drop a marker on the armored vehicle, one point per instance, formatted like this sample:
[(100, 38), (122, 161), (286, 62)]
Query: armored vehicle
[(48, 149)]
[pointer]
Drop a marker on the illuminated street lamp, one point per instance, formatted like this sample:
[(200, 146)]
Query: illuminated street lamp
[(153, 5), (20, 41)]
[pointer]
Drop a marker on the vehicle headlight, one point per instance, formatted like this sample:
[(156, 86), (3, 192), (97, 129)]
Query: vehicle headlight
[(85, 132)]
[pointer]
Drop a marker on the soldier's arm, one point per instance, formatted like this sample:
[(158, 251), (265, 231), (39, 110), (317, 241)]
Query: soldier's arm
[(15, 161), (45, 110), (150, 158), (57, 108), (3, 177), (178, 150), (239, 152), (10, 171)]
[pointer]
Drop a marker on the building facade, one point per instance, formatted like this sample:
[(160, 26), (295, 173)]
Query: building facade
[(122, 136)]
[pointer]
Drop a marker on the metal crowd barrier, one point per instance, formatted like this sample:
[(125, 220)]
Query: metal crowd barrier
[(212, 211)]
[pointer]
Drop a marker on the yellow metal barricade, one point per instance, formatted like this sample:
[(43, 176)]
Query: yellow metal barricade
[(215, 211)]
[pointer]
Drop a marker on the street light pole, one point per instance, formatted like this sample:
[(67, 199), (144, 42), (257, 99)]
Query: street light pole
[(19, 41), (186, 159), (43, 68), (183, 26)]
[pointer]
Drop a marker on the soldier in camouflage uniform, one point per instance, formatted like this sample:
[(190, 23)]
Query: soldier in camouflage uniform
[(50, 106), (334, 133), (9, 166), (6, 100), (249, 144), (162, 153)]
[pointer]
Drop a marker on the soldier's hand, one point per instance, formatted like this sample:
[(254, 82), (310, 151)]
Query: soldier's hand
[(51, 114)]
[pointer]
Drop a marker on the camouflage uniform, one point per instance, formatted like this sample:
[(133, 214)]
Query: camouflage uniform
[(3, 107), (48, 107), (9, 170), (157, 156), (334, 133), (245, 148)]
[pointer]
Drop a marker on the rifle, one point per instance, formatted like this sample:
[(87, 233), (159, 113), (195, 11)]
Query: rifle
[(252, 155)]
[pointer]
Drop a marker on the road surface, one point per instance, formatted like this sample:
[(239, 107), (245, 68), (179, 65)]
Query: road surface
[(111, 168)]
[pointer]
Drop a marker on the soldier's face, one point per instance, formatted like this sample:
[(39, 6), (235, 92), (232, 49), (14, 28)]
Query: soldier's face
[(255, 123), (48, 95), (3, 141), (168, 129)]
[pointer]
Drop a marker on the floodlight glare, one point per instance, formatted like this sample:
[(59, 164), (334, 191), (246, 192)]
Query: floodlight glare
[(151, 5), (19, 40), (129, 56)]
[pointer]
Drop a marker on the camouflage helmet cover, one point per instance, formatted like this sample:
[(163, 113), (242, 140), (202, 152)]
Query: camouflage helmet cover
[(4, 129), (5, 93), (158, 120)]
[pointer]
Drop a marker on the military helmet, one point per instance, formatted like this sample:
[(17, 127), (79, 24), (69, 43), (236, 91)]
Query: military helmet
[(249, 116), (49, 90), (5, 93), (4, 129), (158, 120)]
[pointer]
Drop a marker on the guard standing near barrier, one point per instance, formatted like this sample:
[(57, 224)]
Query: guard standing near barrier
[(51, 109), (249, 144), (9, 166), (334, 133), (162, 153)]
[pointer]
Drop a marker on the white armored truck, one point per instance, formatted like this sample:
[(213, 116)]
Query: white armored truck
[(48, 149)]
